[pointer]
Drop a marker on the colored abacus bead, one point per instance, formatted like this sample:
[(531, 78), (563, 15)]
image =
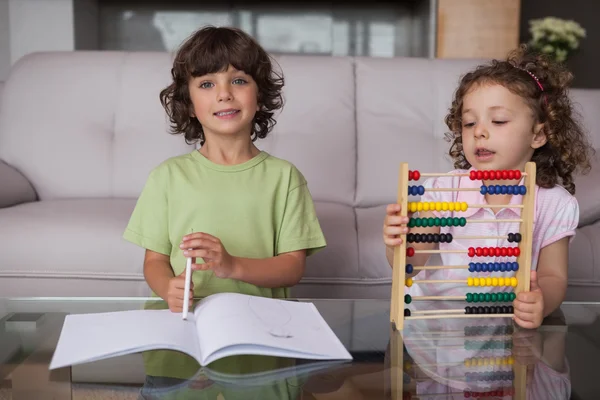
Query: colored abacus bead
[(409, 282), (407, 298), (409, 268), (410, 251), (416, 175), (471, 252), (406, 312), (473, 175)]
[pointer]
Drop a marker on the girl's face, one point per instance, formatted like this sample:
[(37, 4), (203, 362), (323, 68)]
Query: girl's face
[(225, 102), (499, 130)]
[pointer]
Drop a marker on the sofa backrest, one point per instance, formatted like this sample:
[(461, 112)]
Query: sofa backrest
[(90, 124)]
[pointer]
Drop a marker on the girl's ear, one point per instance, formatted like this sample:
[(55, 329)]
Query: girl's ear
[(539, 136)]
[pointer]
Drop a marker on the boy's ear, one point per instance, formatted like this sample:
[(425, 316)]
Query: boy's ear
[(539, 136)]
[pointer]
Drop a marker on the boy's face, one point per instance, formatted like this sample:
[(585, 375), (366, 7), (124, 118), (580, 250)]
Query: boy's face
[(224, 102)]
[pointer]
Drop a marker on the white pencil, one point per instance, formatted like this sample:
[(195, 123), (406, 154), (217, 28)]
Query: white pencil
[(186, 290)]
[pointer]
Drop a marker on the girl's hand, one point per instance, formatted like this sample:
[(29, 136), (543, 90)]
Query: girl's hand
[(176, 293), (529, 306), (392, 225), (211, 250)]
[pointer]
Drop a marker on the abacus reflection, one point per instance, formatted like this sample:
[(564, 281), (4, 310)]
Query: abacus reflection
[(513, 262), (478, 359)]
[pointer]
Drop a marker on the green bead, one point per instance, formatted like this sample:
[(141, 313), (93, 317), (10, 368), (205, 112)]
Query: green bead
[(417, 222), (411, 223), (487, 297), (512, 296), (407, 299), (494, 297), (436, 221), (469, 298), (456, 221), (463, 221), (431, 221), (443, 221)]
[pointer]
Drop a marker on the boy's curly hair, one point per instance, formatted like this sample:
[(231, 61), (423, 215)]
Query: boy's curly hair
[(567, 149), (212, 49)]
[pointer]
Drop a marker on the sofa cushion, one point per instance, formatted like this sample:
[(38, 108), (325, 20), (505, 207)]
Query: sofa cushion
[(587, 192), (69, 238), (584, 255), (15, 188)]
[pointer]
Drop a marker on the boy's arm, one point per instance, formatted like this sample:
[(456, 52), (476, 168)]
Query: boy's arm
[(158, 272), (283, 270), (552, 274)]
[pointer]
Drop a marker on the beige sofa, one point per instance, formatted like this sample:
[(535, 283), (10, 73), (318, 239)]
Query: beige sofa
[(79, 133)]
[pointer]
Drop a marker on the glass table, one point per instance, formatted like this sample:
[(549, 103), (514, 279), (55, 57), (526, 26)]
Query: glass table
[(450, 358)]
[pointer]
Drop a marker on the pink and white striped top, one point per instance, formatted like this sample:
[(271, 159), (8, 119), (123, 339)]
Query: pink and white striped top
[(556, 216)]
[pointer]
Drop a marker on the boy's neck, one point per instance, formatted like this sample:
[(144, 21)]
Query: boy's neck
[(229, 152)]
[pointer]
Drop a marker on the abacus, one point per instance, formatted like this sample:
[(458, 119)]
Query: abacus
[(495, 374), (522, 266)]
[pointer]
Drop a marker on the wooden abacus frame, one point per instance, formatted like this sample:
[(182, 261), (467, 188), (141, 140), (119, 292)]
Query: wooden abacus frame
[(523, 259)]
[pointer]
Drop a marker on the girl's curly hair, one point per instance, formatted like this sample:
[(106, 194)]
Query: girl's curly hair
[(567, 149), (213, 49)]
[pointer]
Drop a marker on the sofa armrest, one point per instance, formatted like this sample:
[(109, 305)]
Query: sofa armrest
[(14, 187), (587, 192)]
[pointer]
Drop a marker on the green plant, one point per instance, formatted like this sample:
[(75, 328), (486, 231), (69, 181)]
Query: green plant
[(555, 37)]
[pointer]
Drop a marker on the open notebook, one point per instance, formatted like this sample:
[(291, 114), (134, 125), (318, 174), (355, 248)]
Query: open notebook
[(221, 325)]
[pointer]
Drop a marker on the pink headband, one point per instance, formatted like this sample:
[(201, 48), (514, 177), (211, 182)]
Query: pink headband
[(534, 77)]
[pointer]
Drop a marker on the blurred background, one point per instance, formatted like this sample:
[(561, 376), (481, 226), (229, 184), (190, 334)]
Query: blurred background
[(371, 28)]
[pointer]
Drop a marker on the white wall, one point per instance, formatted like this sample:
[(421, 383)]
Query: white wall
[(40, 25), (5, 60)]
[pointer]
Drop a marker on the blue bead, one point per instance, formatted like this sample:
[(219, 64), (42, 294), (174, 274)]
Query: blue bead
[(516, 189), (409, 268), (483, 189), (523, 189), (503, 267), (515, 266), (496, 267), (421, 190), (491, 189), (503, 189), (414, 190), (471, 267), (484, 267), (509, 189), (498, 189)]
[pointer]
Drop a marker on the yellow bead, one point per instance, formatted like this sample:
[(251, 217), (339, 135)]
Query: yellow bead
[(407, 365), (457, 205), (419, 206), (451, 206), (498, 361), (425, 206), (500, 281), (494, 281), (463, 206), (469, 281), (445, 206), (511, 360), (488, 281), (504, 360), (513, 282), (409, 282), (475, 281), (480, 362)]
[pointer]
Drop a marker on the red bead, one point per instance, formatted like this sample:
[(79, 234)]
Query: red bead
[(416, 175), (471, 252), (492, 174), (410, 251), (511, 174), (509, 251), (485, 252), (479, 251), (467, 394), (479, 175), (517, 174), (504, 174), (498, 251), (473, 175), (410, 175), (486, 175), (517, 252), (503, 252)]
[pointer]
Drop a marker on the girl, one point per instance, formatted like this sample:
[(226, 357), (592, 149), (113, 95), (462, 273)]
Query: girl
[(246, 218), (503, 115)]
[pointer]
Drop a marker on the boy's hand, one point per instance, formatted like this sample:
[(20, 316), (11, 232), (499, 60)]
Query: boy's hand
[(211, 250), (176, 292), (392, 225), (529, 306)]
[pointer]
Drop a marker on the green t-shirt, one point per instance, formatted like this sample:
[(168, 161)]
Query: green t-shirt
[(258, 209)]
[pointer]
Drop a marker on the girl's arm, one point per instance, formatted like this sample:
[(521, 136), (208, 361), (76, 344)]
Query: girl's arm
[(417, 259), (283, 270), (552, 274)]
